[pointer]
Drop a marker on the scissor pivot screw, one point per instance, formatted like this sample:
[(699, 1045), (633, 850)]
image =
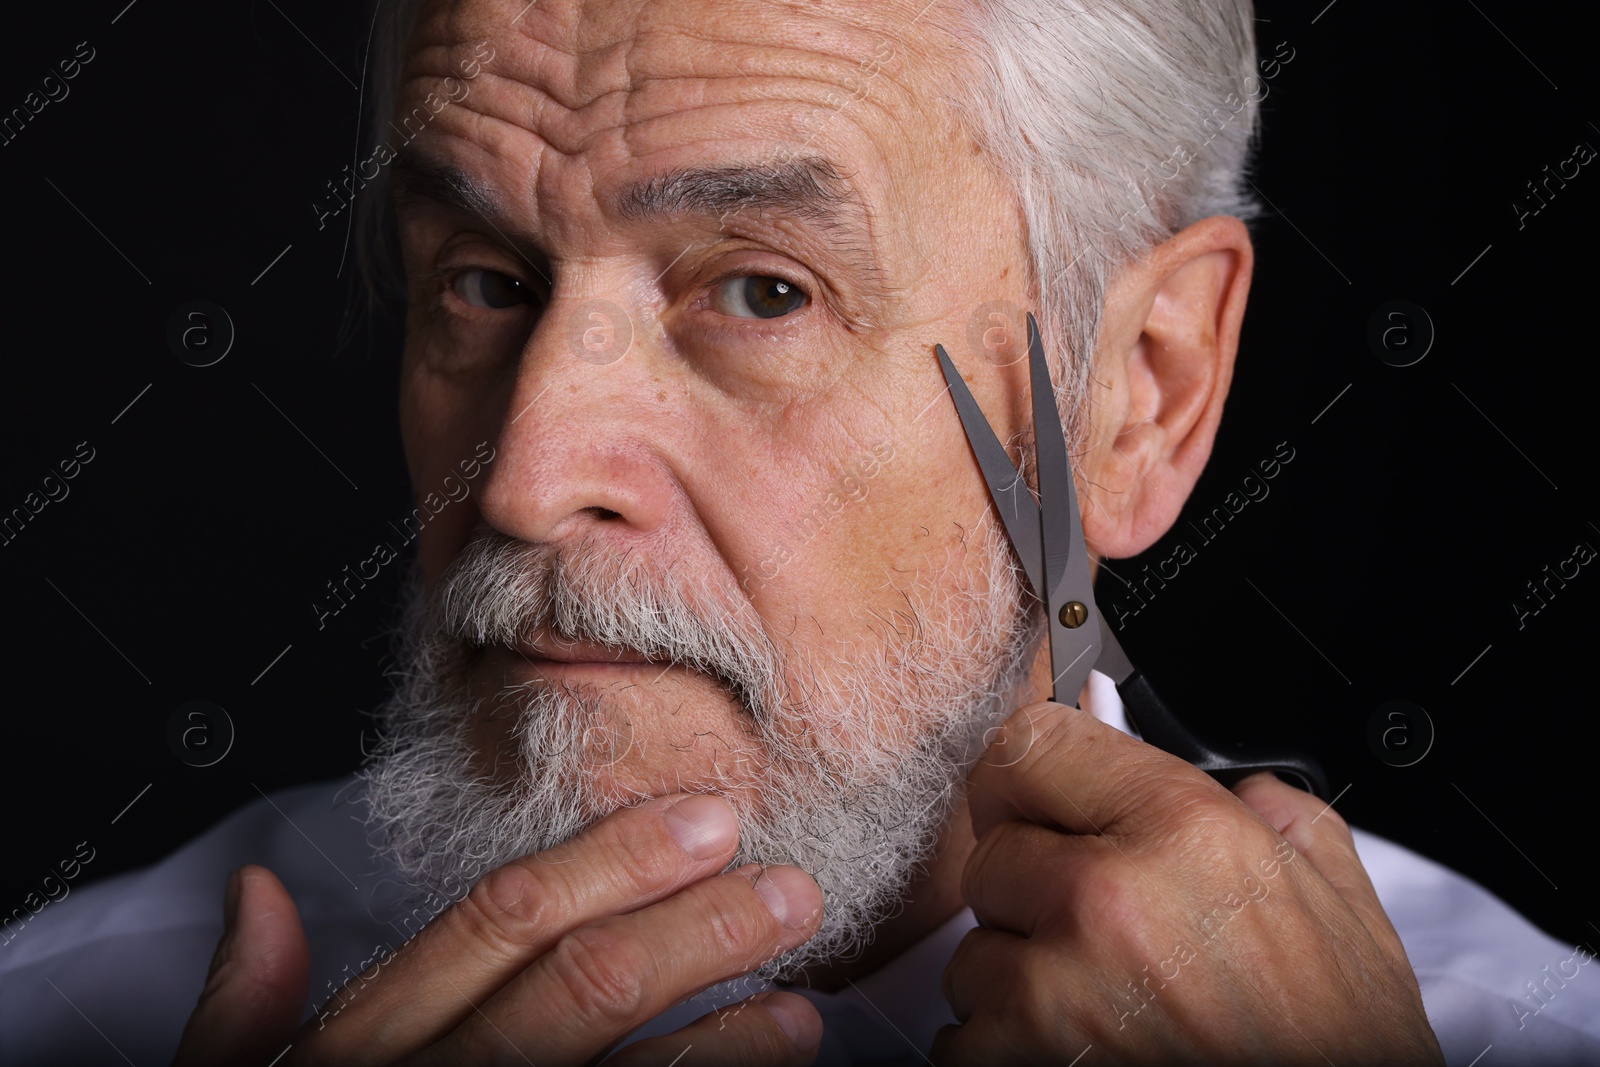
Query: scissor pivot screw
[(1073, 614)]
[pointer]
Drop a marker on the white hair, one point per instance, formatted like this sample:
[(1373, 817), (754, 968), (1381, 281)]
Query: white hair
[(1078, 110), (1082, 107), (862, 750)]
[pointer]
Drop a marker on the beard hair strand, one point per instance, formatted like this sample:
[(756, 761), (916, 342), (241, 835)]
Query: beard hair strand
[(867, 748)]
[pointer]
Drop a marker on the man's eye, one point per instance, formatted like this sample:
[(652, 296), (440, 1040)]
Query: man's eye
[(757, 296), (490, 289)]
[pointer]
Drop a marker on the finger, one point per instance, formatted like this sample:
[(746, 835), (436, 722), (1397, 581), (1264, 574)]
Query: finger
[(1321, 835), (771, 1029), (1075, 772), (1014, 1002), (257, 984), (1009, 1009), (517, 913), (974, 968), (604, 980), (1020, 876)]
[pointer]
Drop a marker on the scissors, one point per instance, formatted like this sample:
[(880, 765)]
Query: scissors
[(1048, 538)]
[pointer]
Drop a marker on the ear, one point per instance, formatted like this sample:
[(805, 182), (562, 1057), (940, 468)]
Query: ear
[(1167, 344)]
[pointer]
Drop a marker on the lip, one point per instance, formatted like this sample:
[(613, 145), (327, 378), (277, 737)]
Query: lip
[(542, 648)]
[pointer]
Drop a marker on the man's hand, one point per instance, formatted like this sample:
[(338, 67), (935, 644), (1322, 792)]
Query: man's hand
[(551, 959), (1131, 904)]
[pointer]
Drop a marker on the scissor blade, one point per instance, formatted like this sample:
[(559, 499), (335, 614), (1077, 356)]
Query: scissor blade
[(1113, 662), (1006, 488), (1074, 650), (1062, 533)]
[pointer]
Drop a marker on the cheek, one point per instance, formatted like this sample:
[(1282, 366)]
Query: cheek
[(873, 525), (905, 476), (441, 423), (444, 537)]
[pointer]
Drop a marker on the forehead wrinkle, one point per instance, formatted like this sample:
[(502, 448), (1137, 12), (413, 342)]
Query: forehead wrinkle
[(549, 51), (583, 75), (619, 72), (577, 54)]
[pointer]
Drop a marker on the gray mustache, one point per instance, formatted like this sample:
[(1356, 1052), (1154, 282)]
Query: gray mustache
[(498, 590)]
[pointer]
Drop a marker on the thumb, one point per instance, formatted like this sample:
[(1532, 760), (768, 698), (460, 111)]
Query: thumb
[(257, 986)]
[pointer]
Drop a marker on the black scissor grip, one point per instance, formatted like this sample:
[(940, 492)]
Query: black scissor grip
[(1149, 715)]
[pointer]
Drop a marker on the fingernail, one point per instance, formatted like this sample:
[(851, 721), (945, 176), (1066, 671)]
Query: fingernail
[(800, 1023), (704, 826), (230, 901), (788, 893)]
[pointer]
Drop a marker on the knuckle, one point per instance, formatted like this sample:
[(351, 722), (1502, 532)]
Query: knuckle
[(1336, 824), (1262, 785), (508, 908), (737, 924), (1202, 814), (1034, 990), (644, 861), (1022, 739), (1065, 737), (600, 974), (1169, 793), (1281, 804), (1047, 724), (993, 860), (975, 870), (1106, 898)]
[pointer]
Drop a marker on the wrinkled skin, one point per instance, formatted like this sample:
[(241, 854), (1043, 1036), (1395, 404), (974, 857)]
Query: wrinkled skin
[(1089, 860)]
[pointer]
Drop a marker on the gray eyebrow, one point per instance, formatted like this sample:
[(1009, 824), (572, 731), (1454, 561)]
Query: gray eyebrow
[(807, 188), (417, 178)]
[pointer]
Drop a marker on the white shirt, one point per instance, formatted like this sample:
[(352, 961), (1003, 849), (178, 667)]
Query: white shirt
[(109, 973)]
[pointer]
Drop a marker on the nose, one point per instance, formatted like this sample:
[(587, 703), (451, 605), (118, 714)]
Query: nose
[(583, 447)]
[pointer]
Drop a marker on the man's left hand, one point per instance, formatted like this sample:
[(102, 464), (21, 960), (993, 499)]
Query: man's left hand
[(1131, 905)]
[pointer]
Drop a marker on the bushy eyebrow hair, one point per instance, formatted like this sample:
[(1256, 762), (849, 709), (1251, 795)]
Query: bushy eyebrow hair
[(417, 178), (808, 189)]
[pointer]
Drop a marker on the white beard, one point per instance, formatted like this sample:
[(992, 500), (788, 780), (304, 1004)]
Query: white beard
[(864, 760)]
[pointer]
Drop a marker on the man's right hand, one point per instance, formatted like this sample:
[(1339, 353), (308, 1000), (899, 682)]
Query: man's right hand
[(550, 959)]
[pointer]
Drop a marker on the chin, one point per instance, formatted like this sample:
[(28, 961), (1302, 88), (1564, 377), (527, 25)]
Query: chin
[(544, 693), (635, 730)]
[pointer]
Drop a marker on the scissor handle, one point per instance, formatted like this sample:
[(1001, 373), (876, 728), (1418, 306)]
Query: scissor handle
[(1157, 725)]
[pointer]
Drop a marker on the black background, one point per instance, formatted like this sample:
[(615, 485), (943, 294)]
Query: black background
[(1383, 563)]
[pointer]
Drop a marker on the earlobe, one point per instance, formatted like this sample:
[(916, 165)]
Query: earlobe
[(1168, 341)]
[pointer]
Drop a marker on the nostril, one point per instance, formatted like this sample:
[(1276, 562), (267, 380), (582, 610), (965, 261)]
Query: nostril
[(606, 513)]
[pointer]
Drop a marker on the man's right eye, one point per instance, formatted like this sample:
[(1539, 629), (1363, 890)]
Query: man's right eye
[(490, 289)]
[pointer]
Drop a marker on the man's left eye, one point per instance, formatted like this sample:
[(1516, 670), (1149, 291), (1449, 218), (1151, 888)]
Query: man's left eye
[(757, 296)]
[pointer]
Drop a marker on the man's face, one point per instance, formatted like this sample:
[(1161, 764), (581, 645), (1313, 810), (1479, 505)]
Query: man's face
[(764, 504)]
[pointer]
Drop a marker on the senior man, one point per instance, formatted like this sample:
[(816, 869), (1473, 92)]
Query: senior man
[(700, 686)]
